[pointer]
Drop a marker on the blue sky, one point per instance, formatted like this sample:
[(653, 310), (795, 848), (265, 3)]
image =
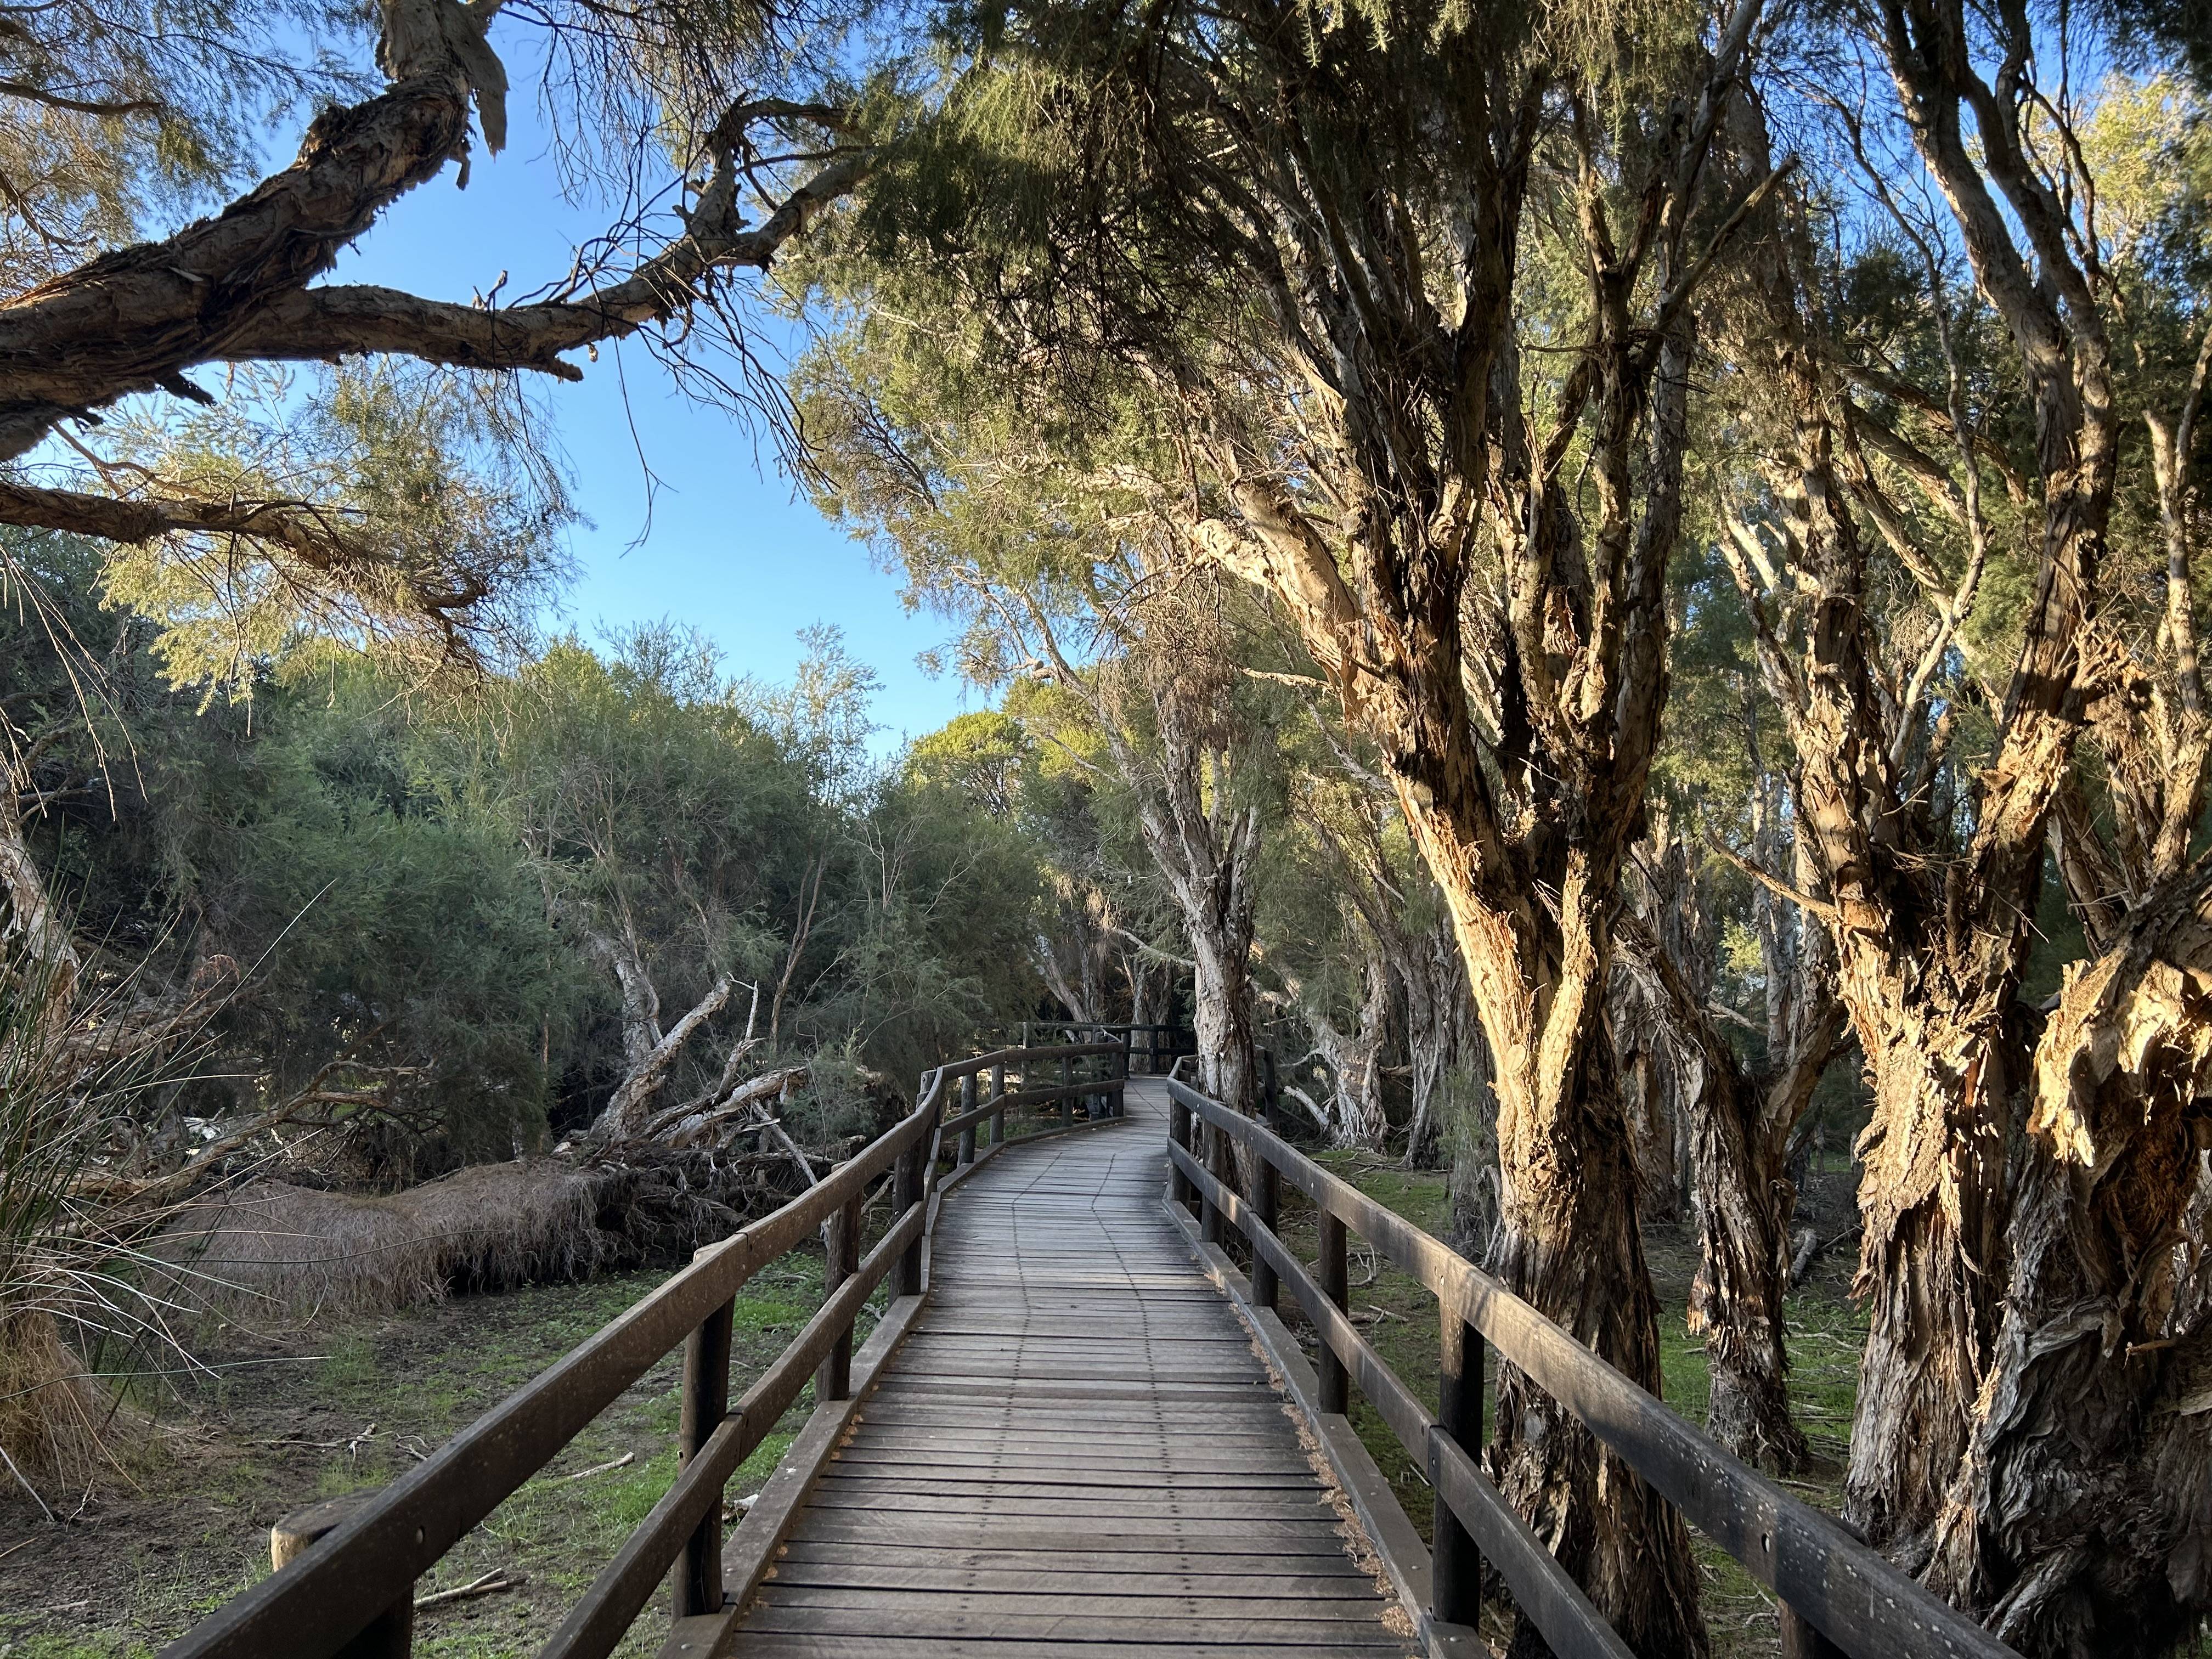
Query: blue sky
[(729, 550)]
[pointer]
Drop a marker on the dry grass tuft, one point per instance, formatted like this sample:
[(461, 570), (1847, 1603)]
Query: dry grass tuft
[(50, 1416), (274, 1251)]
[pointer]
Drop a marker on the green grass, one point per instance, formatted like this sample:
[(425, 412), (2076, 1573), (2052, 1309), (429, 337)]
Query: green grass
[(231, 1453)]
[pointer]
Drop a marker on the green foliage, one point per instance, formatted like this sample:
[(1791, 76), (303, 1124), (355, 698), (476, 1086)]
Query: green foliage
[(417, 887), (150, 106), (443, 517)]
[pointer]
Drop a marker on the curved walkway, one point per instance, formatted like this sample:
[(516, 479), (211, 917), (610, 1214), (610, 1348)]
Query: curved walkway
[(1075, 1451)]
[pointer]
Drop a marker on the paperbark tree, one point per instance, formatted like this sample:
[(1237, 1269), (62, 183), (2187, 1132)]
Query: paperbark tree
[(1739, 1118), (241, 287), (2019, 1379), (2077, 1518), (1525, 797)]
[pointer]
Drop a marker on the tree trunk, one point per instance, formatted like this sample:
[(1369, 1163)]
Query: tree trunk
[(1355, 1115), (1744, 1202), (1438, 1038), (2080, 1521), (46, 946), (1222, 998), (1569, 1244), (1651, 1086)]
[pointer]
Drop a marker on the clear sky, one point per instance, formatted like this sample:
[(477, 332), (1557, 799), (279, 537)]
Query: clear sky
[(729, 550)]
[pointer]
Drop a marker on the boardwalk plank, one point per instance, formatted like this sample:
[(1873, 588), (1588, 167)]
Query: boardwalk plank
[(1076, 1450)]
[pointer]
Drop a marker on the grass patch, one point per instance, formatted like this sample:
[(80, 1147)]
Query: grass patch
[(229, 1453)]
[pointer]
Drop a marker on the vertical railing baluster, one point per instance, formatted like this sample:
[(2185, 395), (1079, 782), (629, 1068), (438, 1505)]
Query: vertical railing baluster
[(906, 1191), (1335, 1283), (706, 1391), (998, 1117), (390, 1634), (1802, 1638), (833, 1381), (1458, 1564), (1066, 1084), (1265, 1203), (966, 1154), (1221, 1164), (1209, 1212), (1179, 1185)]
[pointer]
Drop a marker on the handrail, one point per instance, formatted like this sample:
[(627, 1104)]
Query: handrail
[(367, 1564), (351, 1589), (1824, 1577)]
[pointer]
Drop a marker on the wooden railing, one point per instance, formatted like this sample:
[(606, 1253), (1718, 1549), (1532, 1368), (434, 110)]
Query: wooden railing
[(1835, 1593), (347, 1569), (1153, 1047)]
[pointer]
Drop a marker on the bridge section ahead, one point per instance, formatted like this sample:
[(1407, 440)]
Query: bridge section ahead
[(1075, 1450)]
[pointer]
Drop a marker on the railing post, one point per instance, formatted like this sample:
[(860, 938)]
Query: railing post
[(706, 1403), (967, 1130), (1265, 1203), (1335, 1283), (1121, 1081), (1067, 1083), (1221, 1164), (833, 1381), (999, 1092), (1209, 1212), (1802, 1638), (1179, 1186), (390, 1634), (1458, 1564), (906, 1193)]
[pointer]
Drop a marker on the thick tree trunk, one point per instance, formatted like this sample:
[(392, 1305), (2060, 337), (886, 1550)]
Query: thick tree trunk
[(1931, 1202), (2080, 1520), (1739, 1135), (1570, 1245), (1222, 1010), (1744, 1203), (1650, 1087)]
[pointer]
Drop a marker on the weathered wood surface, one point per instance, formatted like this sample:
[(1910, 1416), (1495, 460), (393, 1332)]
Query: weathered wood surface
[(1076, 1446)]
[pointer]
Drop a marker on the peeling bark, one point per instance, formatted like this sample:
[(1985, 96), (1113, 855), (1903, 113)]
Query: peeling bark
[(625, 1111), (31, 917), (2080, 1520)]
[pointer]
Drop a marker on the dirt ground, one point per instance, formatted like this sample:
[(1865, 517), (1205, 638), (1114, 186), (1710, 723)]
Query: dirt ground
[(210, 1465)]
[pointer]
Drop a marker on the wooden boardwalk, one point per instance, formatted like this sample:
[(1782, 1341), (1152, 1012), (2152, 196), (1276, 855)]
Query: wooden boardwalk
[(1076, 1450)]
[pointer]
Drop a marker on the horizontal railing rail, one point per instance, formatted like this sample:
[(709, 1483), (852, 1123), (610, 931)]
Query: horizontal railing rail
[(1153, 1045), (361, 1573), (347, 1569), (1101, 1097), (1831, 1588)]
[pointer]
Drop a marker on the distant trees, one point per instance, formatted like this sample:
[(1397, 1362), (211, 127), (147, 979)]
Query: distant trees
[(492, 912), (1136, 667)]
